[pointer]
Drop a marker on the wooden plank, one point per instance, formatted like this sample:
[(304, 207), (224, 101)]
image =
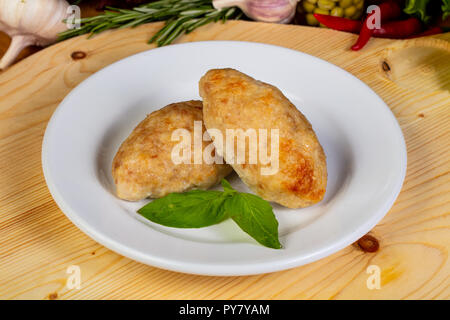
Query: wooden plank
[(39, 243)]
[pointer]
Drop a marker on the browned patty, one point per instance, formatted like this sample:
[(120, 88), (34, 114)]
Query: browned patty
[(233, 100), (143, 166)]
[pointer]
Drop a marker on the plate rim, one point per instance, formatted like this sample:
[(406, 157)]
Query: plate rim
[(207, 269)]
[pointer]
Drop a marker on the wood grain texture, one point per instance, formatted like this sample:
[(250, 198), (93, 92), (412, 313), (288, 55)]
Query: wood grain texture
[(38, 243)]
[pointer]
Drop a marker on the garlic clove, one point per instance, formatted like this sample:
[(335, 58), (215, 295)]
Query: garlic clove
[(18, 43), (275, 11), (31, 22)]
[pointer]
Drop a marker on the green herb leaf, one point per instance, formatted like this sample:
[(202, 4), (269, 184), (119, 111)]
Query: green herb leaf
[(417, 8), (181, 16), (421, 9), (227, 187), (192, 209), (198, 208), (445, 9), (255, 216)]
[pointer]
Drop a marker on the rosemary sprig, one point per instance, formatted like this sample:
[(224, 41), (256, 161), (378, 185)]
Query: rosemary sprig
[(181, 16)]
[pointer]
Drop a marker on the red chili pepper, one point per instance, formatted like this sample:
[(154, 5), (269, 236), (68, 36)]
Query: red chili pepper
[(399, 29), (388, 10), (429, 32), (338, 23), (394, 29)]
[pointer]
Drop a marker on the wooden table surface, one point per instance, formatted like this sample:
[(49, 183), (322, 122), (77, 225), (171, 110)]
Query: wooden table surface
[(39, 244)]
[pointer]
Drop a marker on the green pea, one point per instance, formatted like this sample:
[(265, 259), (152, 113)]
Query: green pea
[(326, 4), (357, 15), (359, 5), (337, 12), (345, 3), (349, 12), (311, 20), (321, 11), (312, 1), (309, 7), (322, 25), (358, 1)]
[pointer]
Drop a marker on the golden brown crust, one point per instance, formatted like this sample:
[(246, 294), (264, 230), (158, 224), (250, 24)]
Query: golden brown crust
[(233, 100), (143, 166)]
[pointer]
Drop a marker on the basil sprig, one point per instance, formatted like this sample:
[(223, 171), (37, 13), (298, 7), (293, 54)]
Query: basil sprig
[(199, 208)]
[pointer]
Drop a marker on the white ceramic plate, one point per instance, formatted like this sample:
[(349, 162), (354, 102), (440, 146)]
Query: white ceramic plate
[(365, 150)]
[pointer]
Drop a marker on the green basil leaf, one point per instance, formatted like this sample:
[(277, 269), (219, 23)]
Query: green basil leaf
[(192, 209), (417, 8), (227, 187), (445, 9), (198, 208), (255, 216)]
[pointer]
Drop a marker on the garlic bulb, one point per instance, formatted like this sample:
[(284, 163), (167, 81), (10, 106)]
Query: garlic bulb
[(30, 22), (277, 11)]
